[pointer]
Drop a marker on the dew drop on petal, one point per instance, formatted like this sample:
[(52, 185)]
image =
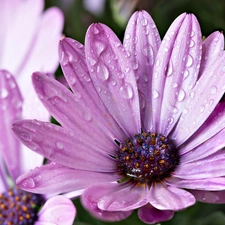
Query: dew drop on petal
[(28, 183), (103, 72), (87, 115), (189, 61), (155, 94), (127, 36), (144, 22), (95, 30), (181, 95), (126, 91), (59, 145), (170, 69), (25, 136), (4, 93), (202, 108), (213, 90)]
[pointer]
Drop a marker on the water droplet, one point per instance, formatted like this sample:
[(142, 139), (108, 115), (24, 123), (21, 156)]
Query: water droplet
[(4, 93), (71, 80), (166, 49), (87, 115), (114, 82), (25, 136), (95, 30), (144, 22), (103, 72), (99, 47), (170, 69), (181, 95), (59, 145), (170, 120), (157, 63), (126, 91), (28, 183), (211, 101), (192, 43), (192, 94), (213, 90), (202, 108), (127, 36), (92, 61), (186, 73), (189, 61), (174, 85), (185, 111), (155, 94)]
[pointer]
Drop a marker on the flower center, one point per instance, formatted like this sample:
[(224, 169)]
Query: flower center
[(147, 157), (18, 207)]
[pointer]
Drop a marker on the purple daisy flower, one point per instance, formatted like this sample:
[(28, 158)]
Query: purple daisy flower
[(19, 207), (143, 126)]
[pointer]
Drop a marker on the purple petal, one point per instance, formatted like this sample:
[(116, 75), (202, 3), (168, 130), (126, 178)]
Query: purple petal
[(214, 124), (142, 41), (75, 69), (11, 107), (162, 62), (90, 202), (209, 167), (118, 197), (113, 76), (163, 197), (212, 46), (208, 148), (63, 146), (151, 215), (57, 210), (3, 177), (215, 197), (42, 179), (210, 184), (72, 112), (207, 91), (182, 71)]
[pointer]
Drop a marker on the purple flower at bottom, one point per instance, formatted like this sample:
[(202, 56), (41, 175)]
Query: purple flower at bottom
[(142, 127)]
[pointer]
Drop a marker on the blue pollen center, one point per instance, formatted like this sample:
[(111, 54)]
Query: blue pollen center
[(18, 207), (146, 158)]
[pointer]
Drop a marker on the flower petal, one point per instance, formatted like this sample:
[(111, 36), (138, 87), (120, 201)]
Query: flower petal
[(90, 202), (210, 184), (75, 69), (63, 146), (42, 179), (142, 41), (158, 80), (182, 71), (58, 210), (212, 46), (215, 197), (11, 108), (214, 124), (72, 112), (169, 198), (207, 91), (208, 148), (209, 167), (151, 215), (119, 197), (113, 76)]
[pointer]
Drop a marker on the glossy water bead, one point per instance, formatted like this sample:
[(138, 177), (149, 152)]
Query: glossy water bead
[(147, 157)]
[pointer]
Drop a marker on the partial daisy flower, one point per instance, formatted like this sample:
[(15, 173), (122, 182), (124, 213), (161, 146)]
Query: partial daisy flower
[(18, 206), (143, 126), (29, 41)]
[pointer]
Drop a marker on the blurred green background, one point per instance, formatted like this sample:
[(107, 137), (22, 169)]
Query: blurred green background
[(115, 13)]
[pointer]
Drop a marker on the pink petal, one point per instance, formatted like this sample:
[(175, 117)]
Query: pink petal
[(210, 184), (75, 69), (209, 167), (118, 197), (212, 46), (215, 197), (214, 124), (182, 71), (207, 91), (151, 215), (3, 177), (113, 76), (90, 202), (163, 197), (158, 80), (209, 147), (142, 41), (42, 179), (57, 210), (63, 146), (73, 112), (10, 103)]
